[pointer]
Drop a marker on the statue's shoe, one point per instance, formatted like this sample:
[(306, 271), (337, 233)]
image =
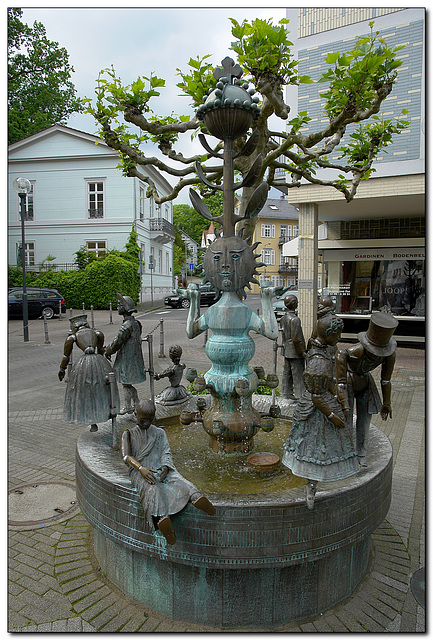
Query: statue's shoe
[(205, 505), (164, 525), (310, 494)]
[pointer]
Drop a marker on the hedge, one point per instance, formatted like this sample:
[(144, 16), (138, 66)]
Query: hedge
[(95, 285)]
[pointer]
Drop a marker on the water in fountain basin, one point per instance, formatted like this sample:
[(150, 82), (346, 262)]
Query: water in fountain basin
[(229, 474)]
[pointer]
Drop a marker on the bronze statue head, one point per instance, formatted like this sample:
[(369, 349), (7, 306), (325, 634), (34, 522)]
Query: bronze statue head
[(126, 304), (175, 352), (145, 410), (329, 328), (291, 302), (378, 337), (230, 264), (77, 322)]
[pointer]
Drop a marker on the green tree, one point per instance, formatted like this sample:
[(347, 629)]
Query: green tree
[(186, 218), (40, 90), (357, 83), (132, 250)]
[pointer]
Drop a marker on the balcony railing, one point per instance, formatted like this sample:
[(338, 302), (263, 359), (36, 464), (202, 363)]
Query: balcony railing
[(288, 269), (96, 213), (285, 238), (162, 229)]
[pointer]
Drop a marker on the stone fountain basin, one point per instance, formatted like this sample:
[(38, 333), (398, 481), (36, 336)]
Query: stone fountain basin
[(262, 560)]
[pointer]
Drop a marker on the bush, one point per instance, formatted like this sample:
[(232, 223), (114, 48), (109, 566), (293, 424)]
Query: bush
[(96, 284), (15, 277)]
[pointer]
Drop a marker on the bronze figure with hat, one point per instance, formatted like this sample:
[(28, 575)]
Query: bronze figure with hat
[(129, 364), (294, 351), (89, 397), (376, 347)]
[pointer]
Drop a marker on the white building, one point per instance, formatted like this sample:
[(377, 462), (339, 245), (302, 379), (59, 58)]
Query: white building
[(79, 198)]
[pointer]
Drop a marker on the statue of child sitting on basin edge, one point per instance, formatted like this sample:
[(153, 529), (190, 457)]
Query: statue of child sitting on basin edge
[(163, 490)]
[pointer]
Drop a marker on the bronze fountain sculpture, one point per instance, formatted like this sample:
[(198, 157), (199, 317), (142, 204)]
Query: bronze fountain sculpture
[(230, 265), (264, 558)]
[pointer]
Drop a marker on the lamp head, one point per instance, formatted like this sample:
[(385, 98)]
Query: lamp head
[(22, 185)]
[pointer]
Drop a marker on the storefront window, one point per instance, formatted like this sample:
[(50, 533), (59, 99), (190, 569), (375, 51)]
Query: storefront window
[(360, 287)]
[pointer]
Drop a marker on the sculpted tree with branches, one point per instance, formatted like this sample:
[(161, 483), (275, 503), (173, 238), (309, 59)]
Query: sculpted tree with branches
[(357, 82)]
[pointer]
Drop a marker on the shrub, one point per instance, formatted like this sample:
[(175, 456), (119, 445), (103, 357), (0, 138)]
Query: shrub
[(96, 284)]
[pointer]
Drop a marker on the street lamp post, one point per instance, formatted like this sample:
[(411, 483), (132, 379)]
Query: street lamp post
[(22, 187)]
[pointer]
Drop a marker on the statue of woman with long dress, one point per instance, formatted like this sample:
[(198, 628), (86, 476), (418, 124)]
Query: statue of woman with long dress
[(320, 445), (88, 396)]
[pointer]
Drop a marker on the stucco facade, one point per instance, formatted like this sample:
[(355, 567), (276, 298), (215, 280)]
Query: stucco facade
[(79, 198)]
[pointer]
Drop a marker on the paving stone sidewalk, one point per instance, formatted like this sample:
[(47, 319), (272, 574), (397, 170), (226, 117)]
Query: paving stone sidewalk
[(55, 584)]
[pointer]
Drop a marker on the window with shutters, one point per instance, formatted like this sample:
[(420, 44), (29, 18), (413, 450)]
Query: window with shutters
[(268, 230)]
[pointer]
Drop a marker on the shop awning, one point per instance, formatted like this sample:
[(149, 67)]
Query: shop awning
[(291, 248)]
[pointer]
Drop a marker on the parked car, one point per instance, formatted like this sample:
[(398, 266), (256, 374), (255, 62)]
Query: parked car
[(207, 297), (40, 302)]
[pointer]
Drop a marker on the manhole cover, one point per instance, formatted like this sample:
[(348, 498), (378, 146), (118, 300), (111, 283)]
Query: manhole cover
[(417, 585), (38, 504)]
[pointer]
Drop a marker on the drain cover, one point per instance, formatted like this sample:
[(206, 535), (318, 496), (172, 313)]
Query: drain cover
[(417, 585), (38, 504)]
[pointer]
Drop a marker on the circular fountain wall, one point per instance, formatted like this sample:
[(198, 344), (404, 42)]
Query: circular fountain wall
[(264, 558)]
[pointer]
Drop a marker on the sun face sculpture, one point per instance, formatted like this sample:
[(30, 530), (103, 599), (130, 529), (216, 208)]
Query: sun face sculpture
[(230, 264)]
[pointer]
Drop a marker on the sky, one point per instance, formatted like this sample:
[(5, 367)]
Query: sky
[(138, 41)]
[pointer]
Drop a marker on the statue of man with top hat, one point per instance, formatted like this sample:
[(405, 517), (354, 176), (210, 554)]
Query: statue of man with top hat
[(376, 347)]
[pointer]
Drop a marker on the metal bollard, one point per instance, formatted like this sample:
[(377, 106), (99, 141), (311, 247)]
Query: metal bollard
[(70, 313), (161, 339), (84, 308), (275, 347), (150, 370), (111, 313), (91, 316), (206, 335), (113, 409), (47, 340)]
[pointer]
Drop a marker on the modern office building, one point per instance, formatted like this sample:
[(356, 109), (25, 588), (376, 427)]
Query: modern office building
[(374, 249)]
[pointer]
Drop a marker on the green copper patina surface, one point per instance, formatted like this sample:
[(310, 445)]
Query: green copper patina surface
[(230, 265)]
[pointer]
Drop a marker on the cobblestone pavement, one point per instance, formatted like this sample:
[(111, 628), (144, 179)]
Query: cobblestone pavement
[(55, 584)]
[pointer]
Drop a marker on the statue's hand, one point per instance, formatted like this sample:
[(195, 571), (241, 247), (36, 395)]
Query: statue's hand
[(385, 411), (336, 420), (267, 290), (193, 292), (280, 291), (163, 472), (192, 287), (61, 374), (147, 474)]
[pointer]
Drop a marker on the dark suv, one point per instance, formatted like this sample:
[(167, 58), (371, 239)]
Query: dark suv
[(207, 297), (40, 302)]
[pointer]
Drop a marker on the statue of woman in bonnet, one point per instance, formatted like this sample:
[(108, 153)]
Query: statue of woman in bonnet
[(88, 396)]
